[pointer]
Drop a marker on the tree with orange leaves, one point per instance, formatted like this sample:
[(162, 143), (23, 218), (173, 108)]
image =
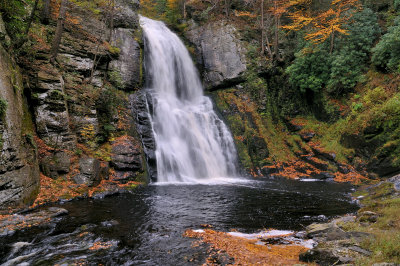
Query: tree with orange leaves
[(333, 21), (278, 9), (326, 24)]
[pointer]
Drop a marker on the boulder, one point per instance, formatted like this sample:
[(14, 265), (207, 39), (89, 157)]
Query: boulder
[(320, 256), (329, 231), (220, 52), (89, 172), (56, 165), (396, 182)]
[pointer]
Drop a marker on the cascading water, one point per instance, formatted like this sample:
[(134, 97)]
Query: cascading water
[(192, 143)]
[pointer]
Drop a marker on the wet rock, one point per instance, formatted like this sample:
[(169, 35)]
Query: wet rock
[(89, 172), (141, 105), (220, 51), (110, 223), (343, 169), (16, 222), (55, 165), (325, 176)]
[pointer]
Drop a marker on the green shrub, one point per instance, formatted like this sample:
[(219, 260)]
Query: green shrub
[(386, 54), (315, 69), (310, 70), (396, 5), (14, 12)]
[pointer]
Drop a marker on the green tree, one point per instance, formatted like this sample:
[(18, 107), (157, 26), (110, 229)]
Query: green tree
[(353, 53), (386, 54), (315, 69), (311, 68)]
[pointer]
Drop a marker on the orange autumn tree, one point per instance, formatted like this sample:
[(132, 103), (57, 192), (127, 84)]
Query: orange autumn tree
[(278, 9), (333, 21), (325, 25)]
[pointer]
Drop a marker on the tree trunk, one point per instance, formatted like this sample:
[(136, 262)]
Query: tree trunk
[(31, 17), (276, 40), (184, 9), (332, 42), (269, 47), (262, 28), (59, 31), (24, 38), (227, 7), (45, 14)]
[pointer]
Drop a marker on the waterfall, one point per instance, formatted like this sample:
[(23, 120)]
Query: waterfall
[(192, 143)]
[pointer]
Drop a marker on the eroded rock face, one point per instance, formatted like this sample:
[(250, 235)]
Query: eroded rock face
[(19, 168), (126, 158), (141, 106), (50, 108), (126, 17), (221, 53), (127, 66)]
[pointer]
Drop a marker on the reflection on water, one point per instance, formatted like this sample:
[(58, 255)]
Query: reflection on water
[(146, 227)]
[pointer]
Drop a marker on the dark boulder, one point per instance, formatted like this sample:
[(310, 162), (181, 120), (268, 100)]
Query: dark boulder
[(89, 172), (55, 165)]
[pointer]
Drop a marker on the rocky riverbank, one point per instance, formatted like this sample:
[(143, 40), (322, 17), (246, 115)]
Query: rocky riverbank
[(370, 237)]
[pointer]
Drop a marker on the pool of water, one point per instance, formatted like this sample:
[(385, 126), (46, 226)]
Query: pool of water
[(146, 227)]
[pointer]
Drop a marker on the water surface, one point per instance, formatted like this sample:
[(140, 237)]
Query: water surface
[(151, 221)]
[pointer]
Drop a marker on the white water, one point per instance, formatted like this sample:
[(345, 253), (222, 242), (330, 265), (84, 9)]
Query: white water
[(192, 143)]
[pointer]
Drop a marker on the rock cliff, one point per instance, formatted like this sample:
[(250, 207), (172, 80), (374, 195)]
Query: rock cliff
[(220, 51), (19, 168)]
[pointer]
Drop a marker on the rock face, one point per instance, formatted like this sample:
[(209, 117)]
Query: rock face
[(127, 66), (126, 158), (220, 52), (141, 105), (19, 168)]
